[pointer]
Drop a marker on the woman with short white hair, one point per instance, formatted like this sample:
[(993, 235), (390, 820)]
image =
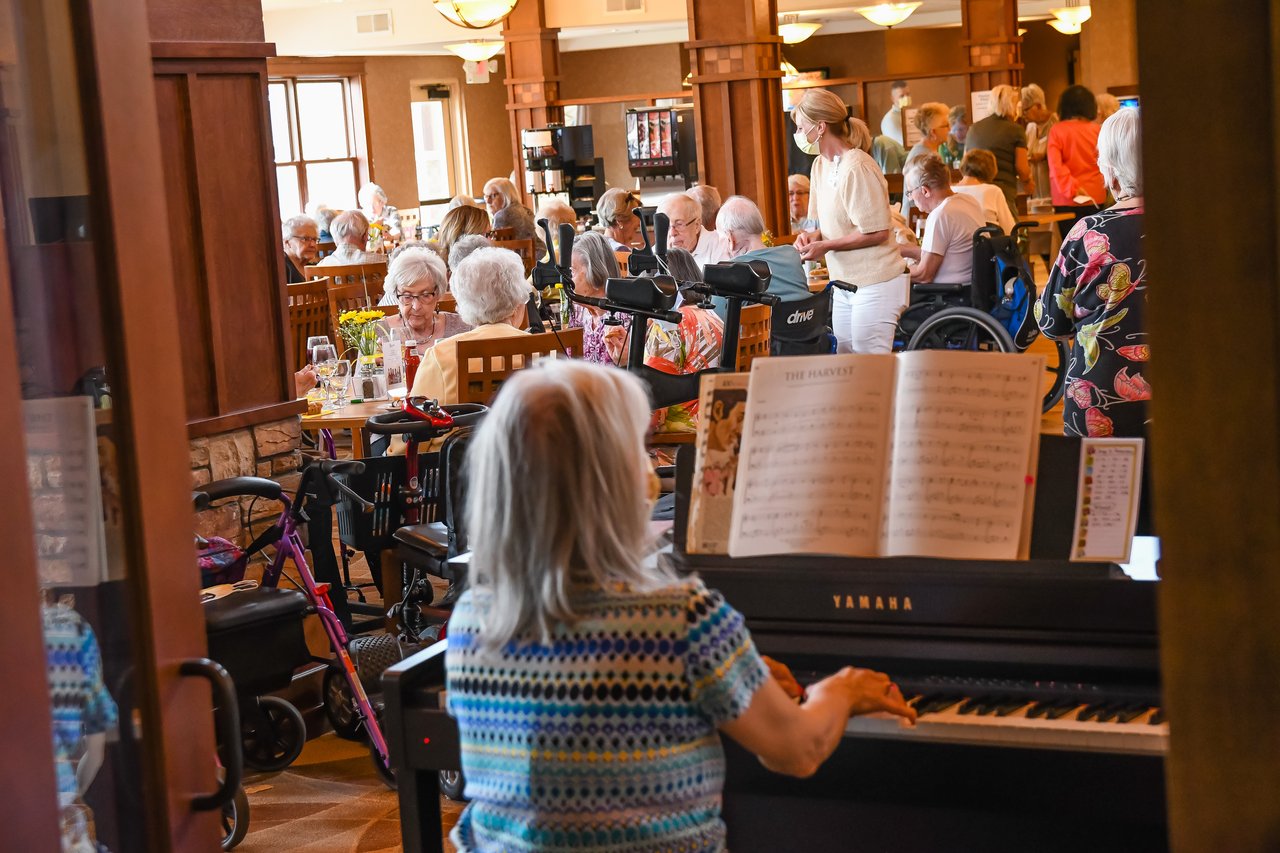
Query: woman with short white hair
[(945, 253), (603, 679), (1001, 134), (351, 235), (498, 193), (1097, 294), (491, 293), (415, 282), (593, 263), (373, 204)]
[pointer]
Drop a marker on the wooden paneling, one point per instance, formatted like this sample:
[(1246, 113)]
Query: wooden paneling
[(533, 76), (1216, 412), (208, 21), (226, 251)]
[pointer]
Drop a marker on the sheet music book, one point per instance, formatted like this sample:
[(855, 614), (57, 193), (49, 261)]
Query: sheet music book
[(927, 453), (722, 405)]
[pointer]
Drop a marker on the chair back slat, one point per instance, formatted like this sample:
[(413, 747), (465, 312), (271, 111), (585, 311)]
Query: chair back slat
[(497, 234), (523, 248), (753, 339), (785, 239), (324, 250), (351, 288), (308, 316), (448, 303), (483, 365)]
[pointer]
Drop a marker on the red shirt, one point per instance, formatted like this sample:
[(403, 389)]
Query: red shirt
[(1073, 162)]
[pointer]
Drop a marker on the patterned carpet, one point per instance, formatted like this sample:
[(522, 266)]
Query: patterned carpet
[(329, 801)]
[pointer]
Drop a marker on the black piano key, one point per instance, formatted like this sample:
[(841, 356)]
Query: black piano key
[(1157, 718), (1094, 712), (971, 705), (1038, 709), (989, 707), (1010, 706), (1060, 710), (1111, 712), (1132, 712)]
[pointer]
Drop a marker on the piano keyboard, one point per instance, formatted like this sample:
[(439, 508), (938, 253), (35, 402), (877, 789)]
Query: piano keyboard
[(1022, 714)]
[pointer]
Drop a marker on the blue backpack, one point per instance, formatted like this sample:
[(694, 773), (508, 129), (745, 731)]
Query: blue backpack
[(1010, 296)]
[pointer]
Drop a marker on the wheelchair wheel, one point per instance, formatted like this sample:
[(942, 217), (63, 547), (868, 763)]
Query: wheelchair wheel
[(962, 328), (384, 771), (274, 736), (452, 784), (1056, 375), (235, 819)]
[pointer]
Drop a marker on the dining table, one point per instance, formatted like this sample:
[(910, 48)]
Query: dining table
[(351, 417)]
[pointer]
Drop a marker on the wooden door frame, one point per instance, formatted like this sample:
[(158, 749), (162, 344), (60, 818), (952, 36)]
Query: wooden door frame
[(150, 417)]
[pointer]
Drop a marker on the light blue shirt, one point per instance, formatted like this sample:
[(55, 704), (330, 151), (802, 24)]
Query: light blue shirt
[(788, 279)]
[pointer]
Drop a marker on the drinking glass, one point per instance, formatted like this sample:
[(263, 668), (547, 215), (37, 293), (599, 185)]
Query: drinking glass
[(324, 357), (338, 379)]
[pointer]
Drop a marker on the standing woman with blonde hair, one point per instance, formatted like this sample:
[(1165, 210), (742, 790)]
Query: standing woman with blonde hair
[(850, 198), (1001, 134)]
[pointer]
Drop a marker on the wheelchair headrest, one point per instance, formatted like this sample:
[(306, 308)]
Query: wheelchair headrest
[(745, 278), (645, 293)]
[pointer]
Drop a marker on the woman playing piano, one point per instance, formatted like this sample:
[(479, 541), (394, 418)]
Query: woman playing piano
[(588, 684)]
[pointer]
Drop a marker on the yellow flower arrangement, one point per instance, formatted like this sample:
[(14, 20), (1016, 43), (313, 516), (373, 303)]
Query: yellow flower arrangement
[(359, 329)]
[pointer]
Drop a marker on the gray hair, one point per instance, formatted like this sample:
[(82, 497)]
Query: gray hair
[(556, 212), (464, 246), (684, 201), (489, 286), (1004, 101), (350, 226), (287, 227), (928, 171), (414, 266), (368, 193), (598, 257), (527, 512), (406, 246), (1032, 95), (708, 199), (461, 200), (801, 181), (741, 217), (1120, 151), (616, 204), (505, 188)]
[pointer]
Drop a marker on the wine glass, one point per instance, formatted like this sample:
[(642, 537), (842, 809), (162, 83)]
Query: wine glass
[(338, 379), (324, 357), (316, 341)]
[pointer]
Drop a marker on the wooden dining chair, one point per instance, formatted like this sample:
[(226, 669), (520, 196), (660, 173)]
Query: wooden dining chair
[(785, 239), (447, 302), (324, 250), (753, 335), (308, 316), (622, 261), (523, 248), (496, 234), (483, 365)]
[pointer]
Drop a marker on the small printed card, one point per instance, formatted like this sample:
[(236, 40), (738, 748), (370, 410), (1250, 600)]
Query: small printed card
[(1107, 503)]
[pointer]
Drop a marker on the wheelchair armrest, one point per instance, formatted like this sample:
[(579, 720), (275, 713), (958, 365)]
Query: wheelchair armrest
[(235, 487), (431, 540), (934, 289)]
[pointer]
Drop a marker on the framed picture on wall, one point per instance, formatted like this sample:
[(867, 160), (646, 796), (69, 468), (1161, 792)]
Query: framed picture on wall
[(791, 97)]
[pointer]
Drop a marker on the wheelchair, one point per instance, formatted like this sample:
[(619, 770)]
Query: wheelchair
[(990, 313)]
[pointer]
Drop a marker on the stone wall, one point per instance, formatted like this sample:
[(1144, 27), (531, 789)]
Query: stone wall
[(266, 450)]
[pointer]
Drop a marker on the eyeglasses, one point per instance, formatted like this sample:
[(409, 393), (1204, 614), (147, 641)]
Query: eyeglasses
[(492, 196), (681, 224), (304, 239), (912, 191), (408, 299)]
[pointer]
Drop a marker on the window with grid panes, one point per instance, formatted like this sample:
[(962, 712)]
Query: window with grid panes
[(317, 151)]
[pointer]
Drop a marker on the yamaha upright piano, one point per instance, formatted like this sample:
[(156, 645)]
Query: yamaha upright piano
[(1037, 684)]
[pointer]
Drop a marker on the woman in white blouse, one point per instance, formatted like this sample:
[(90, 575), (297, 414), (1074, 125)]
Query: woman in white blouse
[(978, 168), (850, 198)]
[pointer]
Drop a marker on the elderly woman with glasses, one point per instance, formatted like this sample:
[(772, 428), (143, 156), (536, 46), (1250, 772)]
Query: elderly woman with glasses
[(301, 244), (593, 263), (491, 292), (621, 226), (592, 686), (498, 193), (945, 255), (415, 282)]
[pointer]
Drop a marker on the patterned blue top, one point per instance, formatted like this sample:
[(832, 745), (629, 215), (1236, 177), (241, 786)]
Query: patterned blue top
[(605, 739), (81, 704)]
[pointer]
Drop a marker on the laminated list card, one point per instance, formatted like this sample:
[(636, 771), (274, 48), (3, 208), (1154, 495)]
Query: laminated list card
[(1108, 492)]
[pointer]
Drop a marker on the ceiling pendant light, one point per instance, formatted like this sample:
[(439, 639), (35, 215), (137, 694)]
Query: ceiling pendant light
[(476, 50), (789, 71), (887, 14), (794, 31), (1070, 18), (474, 14)]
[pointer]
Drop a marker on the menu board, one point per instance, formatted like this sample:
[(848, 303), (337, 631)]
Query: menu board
[(633, 138)]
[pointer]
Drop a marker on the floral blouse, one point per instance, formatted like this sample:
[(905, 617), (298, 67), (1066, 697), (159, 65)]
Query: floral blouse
[(1097, 291), (692, 345), (602, 343)]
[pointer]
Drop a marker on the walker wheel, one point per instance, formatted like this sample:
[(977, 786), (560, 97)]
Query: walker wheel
[(235, 819), (273, 737), (452, 784), (340, 705)]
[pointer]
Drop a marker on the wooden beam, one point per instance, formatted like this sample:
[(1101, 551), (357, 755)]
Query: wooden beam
[(1216, 411), (533, 77)]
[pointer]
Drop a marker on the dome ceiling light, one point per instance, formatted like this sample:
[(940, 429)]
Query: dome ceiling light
[(474, 14), (475, 51), (794, 31), (887, 14), (1071, 17)]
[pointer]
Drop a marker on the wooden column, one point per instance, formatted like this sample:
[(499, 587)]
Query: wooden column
[(1216, 411), (533, 76), (735, 55), (989, 33)]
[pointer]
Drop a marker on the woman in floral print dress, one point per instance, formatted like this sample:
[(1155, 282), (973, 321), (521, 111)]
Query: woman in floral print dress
[(1097, 292)]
